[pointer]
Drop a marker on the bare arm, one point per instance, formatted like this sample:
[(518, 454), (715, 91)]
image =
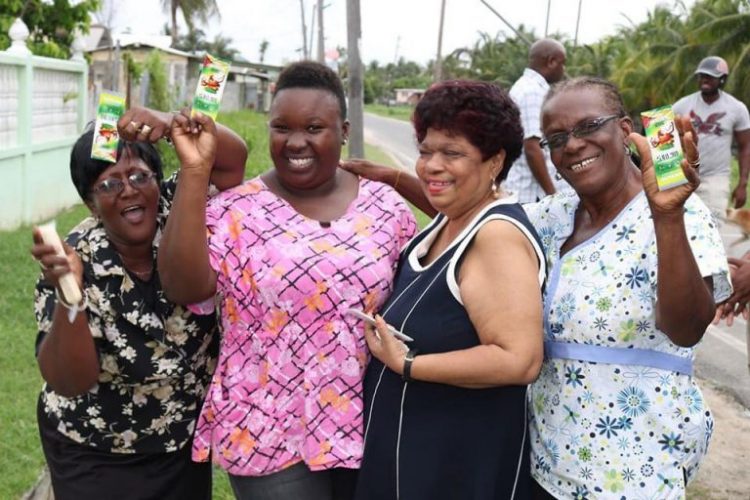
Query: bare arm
[(739, 195), (67, 355), (535, 159), (500, 290), (685, 304), (184, 268), (405, 184)]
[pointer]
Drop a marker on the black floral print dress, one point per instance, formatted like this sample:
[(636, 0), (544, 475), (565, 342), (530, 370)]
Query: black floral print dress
[(156, 357)]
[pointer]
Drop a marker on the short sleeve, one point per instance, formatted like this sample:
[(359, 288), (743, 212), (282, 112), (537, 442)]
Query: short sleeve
[(530, 105), (743, 118), (708, 249), (44, 307), (681, 107)]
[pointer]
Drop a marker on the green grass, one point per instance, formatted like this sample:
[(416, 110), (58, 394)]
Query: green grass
[(397, 112), (20, 454)]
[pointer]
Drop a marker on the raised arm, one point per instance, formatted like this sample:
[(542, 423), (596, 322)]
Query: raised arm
[(145, 124), (685, 304), (67, 355), (499, 286), (184, 268), (405, 184)]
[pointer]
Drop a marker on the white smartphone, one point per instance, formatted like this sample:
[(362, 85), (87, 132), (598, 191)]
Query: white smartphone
[(370, 320)]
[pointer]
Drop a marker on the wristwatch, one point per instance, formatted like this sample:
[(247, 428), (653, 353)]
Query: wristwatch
[(408, 360)]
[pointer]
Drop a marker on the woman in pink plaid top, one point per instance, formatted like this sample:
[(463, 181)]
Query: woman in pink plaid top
[(287, 253)]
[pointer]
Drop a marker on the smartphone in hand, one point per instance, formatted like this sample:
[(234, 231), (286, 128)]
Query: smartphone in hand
[(370, 320)]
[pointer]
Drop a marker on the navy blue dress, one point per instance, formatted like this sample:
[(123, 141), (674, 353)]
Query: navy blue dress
[(436, 441)]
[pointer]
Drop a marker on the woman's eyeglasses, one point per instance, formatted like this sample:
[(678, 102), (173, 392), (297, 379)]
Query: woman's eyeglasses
[(112, 186), (560, 139)]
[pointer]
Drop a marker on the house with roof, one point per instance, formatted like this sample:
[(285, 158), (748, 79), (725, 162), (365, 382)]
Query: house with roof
[(248, 85)]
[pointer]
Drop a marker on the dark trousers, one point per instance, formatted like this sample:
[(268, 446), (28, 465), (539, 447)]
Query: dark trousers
[(296, 482), (81, 472)]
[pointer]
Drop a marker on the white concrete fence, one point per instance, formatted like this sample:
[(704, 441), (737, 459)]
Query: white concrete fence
[(42, 112)]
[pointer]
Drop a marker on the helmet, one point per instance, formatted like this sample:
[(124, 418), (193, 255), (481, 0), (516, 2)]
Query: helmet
[(713, 66)]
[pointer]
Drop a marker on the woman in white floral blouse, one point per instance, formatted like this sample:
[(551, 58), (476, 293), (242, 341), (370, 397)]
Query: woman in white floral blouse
[(635, 274), (126, 376)]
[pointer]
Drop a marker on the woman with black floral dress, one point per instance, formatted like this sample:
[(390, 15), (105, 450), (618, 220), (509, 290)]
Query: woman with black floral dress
[(127, 370)]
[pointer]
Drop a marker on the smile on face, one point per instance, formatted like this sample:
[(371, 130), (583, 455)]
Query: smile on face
[(129, 217), (306, 132), (454, 177), (588, 162)]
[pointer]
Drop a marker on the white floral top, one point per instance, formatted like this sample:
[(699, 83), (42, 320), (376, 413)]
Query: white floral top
[(156, 358), (616, 431)]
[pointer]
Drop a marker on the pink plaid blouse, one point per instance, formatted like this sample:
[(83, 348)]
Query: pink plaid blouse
[(288, 385)]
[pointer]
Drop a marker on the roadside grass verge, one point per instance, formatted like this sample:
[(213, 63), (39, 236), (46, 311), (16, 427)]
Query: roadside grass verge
[(398, 112)]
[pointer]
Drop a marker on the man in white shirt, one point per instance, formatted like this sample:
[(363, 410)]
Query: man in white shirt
[(532, 176), (717, 119)]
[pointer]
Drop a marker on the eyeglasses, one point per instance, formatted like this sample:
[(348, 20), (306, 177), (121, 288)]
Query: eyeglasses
[(112, 186), (560, 139)]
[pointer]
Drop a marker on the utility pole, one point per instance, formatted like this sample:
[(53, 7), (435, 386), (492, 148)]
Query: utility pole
[(356, 83), (514, 30), (546, 24), (321, 43), (578, 22), (439, 59), (305, 53), (311, 44)]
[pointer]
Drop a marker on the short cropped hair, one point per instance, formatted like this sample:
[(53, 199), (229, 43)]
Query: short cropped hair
[(84, 170), (482, 112), (607, 89), (312, 75)]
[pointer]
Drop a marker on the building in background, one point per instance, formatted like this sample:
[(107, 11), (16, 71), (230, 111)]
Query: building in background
[(248, 86)]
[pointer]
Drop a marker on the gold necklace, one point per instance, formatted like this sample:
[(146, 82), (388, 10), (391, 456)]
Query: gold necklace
[(143, 275)]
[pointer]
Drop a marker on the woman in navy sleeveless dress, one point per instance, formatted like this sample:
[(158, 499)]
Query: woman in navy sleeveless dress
[(447, 420)]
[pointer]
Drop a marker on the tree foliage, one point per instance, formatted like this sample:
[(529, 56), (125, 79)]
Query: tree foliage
[(195, 41), (52, 24), (192, 11), (652, 62), (158, 83)]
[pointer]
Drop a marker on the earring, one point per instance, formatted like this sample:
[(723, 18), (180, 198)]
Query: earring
[(495, 190), (344, 141), (558, 176)]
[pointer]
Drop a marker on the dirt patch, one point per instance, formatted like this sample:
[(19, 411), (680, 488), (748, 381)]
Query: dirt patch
[(724, 473)]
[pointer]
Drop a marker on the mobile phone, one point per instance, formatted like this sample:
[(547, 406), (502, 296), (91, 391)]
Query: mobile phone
[(370, 320)]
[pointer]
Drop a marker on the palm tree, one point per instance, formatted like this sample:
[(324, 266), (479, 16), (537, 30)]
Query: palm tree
[(724, 26), (192, 10)]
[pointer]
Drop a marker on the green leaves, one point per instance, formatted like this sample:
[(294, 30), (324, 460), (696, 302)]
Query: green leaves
[(52, 27)]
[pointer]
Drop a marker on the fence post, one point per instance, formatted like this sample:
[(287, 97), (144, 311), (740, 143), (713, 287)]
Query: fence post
[(18, 33), (77, 50)]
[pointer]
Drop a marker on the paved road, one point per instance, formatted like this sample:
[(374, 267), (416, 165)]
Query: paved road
[(722, 356), (393, 136)]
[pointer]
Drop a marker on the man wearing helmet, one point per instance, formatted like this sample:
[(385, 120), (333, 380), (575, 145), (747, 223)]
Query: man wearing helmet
[(718, 118)]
